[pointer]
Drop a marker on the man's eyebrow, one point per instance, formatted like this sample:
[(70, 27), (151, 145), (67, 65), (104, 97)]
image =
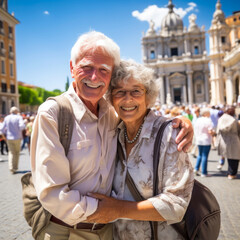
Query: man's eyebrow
[(85, 63), (107, 67)]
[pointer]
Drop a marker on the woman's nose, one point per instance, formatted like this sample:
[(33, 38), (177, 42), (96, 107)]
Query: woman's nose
[(128, 95)]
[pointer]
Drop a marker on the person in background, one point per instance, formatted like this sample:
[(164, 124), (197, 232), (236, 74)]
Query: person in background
[(228, 140), (203, 130), (3, 138), (25, 137), (222, 159), (167, 113), (196, 115), (188, 114), (214, 117), (158, 110), (13, 126), (175, 111), (29, 131)]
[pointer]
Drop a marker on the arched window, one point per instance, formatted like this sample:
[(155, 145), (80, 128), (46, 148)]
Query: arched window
[(196, 50), (173, 48), (152, 54)]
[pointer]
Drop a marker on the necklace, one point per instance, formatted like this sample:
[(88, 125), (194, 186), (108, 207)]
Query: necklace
[(135, 138)]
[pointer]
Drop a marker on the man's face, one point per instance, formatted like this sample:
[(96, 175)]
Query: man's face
[(92, 75)]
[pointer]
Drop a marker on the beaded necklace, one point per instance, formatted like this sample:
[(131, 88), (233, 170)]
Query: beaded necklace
[(135, 138)]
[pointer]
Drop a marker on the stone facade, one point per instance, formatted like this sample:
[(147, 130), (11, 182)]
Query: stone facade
[(225, 57), (178, 55), (8, 76)]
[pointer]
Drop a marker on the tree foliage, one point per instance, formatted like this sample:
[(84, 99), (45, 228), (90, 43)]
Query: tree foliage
[(36, 96), (67, 84)]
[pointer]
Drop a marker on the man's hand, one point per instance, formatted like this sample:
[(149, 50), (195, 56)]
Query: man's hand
[(107, 211), (185, 136)]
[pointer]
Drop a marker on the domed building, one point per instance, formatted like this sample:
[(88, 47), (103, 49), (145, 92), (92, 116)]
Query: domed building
[(178, 55)]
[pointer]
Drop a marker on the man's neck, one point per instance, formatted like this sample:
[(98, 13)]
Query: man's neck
[(94, 108)]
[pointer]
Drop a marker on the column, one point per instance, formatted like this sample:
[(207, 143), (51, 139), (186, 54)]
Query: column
[(145, 51), (229, 88), (206, 86), (213, 92), (190, 87), (186, 44), (220, 83), (169, 97), (159, 48), (161, 89), (184, 93)]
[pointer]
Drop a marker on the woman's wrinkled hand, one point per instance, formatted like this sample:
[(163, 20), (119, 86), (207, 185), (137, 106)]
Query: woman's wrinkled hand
[(108, 209)]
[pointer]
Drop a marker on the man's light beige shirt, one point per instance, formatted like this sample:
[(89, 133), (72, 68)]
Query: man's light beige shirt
[(61, 182)]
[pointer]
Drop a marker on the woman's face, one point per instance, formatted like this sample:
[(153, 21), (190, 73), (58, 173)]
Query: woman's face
[(129, 101)]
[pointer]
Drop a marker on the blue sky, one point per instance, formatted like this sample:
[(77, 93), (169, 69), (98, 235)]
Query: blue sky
[(48, 30)]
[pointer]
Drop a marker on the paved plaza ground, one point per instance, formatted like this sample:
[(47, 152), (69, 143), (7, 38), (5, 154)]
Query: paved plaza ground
[(13, 225)]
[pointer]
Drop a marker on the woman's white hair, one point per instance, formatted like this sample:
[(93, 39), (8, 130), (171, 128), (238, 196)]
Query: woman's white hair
[(130, 69), (91, 41)]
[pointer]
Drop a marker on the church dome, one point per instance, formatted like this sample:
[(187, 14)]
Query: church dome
[(172, 22)]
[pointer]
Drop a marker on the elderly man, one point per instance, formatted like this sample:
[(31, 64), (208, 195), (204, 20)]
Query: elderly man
[(62, 182), (12, 127)]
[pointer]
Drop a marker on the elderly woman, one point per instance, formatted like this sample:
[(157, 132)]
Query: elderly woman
[(228, 139), (133, 91)]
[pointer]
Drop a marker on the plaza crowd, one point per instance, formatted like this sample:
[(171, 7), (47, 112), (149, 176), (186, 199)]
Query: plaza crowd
[(215, 127), (15, 135), (192, 112)]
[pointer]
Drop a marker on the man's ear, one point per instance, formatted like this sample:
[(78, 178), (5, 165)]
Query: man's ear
[(71, 69)]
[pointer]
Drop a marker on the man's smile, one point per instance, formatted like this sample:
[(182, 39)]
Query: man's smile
[(90, 84)]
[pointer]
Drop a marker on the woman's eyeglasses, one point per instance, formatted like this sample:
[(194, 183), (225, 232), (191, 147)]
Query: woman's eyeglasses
[(136, 92)]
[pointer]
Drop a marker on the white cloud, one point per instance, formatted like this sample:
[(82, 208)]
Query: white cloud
[(46, 13), (156, 14)]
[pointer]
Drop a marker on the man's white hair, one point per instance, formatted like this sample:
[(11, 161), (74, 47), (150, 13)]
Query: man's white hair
[(14, 110), (91, 41)]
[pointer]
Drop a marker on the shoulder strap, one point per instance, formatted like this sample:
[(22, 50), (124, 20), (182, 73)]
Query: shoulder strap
[(65, 120), (156, 157), (129, 181)]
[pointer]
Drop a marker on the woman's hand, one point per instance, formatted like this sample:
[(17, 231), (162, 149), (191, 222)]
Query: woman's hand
[(185, 136), (108, 209)]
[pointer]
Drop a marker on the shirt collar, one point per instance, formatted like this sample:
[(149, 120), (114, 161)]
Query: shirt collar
[(79, 108)]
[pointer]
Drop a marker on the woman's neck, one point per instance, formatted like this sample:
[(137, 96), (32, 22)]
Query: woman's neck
[(133, 127)]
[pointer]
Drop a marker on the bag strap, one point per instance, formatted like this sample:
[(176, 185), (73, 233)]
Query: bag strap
[(130, 182), (65, 120), (156, 158)]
